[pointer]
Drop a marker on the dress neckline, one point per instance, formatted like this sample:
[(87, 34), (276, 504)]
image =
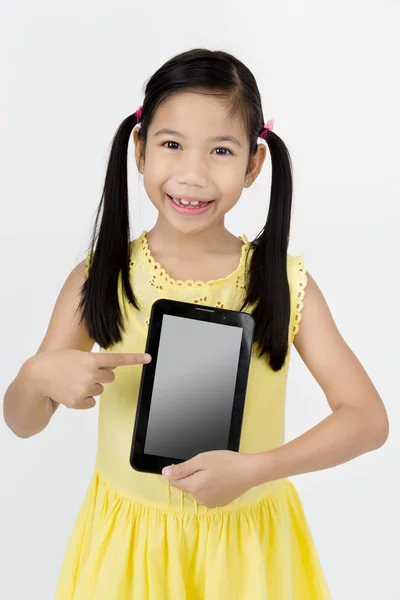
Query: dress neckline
[(154, 265)]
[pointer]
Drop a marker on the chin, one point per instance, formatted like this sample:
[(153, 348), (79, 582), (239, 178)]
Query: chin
[(188, 227)]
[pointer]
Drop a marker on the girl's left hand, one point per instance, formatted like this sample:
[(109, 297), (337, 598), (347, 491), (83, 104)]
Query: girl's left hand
[(214, 478)]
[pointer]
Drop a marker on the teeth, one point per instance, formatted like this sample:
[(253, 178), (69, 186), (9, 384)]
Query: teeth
[(182, 202)]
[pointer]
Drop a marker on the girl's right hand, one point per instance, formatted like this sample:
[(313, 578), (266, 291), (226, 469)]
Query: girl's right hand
[(72, 377)]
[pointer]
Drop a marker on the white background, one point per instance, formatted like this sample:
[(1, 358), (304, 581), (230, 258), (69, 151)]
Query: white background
[(328, 75)]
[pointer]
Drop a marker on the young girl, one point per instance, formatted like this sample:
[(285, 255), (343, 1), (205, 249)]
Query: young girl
[(223, 525)]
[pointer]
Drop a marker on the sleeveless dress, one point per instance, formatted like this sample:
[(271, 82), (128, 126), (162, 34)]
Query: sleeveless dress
[(136, 537)]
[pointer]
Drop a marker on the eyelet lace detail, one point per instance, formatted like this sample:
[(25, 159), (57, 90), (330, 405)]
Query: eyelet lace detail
[(151, 282), (160, 277), (301, 285)]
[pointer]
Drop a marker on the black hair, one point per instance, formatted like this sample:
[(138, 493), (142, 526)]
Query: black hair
[(223, 76)]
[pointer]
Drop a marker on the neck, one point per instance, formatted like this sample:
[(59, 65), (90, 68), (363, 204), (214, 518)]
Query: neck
[(163, 237)]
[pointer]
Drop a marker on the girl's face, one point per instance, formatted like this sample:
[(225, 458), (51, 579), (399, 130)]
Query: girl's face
[(192, 162)]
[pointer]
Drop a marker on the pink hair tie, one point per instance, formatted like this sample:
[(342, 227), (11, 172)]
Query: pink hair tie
[(268, 127), (139, 114)]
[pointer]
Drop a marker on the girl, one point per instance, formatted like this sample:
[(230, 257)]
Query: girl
[(223, 525)]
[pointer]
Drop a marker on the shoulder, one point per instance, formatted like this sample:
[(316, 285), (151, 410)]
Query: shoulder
[(308, 304), (316, 318), (318, 340), (296, 269), (137, 247)]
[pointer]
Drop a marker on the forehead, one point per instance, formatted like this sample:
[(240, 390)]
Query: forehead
[(196, 114)]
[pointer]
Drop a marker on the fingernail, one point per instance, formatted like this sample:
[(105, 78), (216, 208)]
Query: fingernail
[(146, 357), (167, 470)]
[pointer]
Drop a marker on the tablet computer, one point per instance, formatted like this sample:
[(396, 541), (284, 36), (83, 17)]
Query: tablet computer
[(192, 393)]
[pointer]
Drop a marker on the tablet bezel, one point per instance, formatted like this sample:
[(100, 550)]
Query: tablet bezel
[(152, 463)]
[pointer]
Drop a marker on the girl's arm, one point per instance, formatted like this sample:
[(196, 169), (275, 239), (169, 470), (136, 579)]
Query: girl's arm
[(358, 422), (26, 410)]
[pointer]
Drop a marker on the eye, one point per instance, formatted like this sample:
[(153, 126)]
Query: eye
[(224, 149), (170, 143), (176, 143)]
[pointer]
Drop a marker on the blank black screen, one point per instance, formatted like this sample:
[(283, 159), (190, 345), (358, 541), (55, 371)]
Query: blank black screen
[(194, 386)]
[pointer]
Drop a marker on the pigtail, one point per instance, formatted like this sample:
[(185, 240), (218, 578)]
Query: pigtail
[(267, 283), (99, 304)]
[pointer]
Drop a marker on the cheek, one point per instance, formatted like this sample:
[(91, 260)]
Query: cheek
[(231, 189), (231, 181), (159, 167), (155, 181)]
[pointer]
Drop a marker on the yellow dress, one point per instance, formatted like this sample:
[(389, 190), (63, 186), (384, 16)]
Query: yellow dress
[(136, 537)]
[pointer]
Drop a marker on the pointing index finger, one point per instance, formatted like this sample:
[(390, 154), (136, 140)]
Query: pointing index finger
[(112, 360)]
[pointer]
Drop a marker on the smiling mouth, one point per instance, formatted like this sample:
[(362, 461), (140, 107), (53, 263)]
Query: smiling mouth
[(189, 210), (186, 204)]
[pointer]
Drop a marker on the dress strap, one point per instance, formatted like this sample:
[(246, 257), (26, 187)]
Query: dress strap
[(298, 285), (88, 262)]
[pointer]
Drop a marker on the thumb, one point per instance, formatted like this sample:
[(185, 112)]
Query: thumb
[(182, 470)]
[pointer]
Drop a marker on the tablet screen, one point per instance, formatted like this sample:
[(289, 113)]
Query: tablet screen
[(194, 387)]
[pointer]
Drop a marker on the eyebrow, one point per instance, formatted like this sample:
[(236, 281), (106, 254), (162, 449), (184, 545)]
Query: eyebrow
[(218, 138)]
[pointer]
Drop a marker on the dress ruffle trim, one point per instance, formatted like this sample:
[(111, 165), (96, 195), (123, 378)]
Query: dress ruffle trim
[(120, 549), (300, 292)]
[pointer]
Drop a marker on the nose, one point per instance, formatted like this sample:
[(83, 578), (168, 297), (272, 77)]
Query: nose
[(193, 170)]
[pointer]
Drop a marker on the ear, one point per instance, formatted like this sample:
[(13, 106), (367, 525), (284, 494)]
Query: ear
[(256, 163), (138, 149)]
